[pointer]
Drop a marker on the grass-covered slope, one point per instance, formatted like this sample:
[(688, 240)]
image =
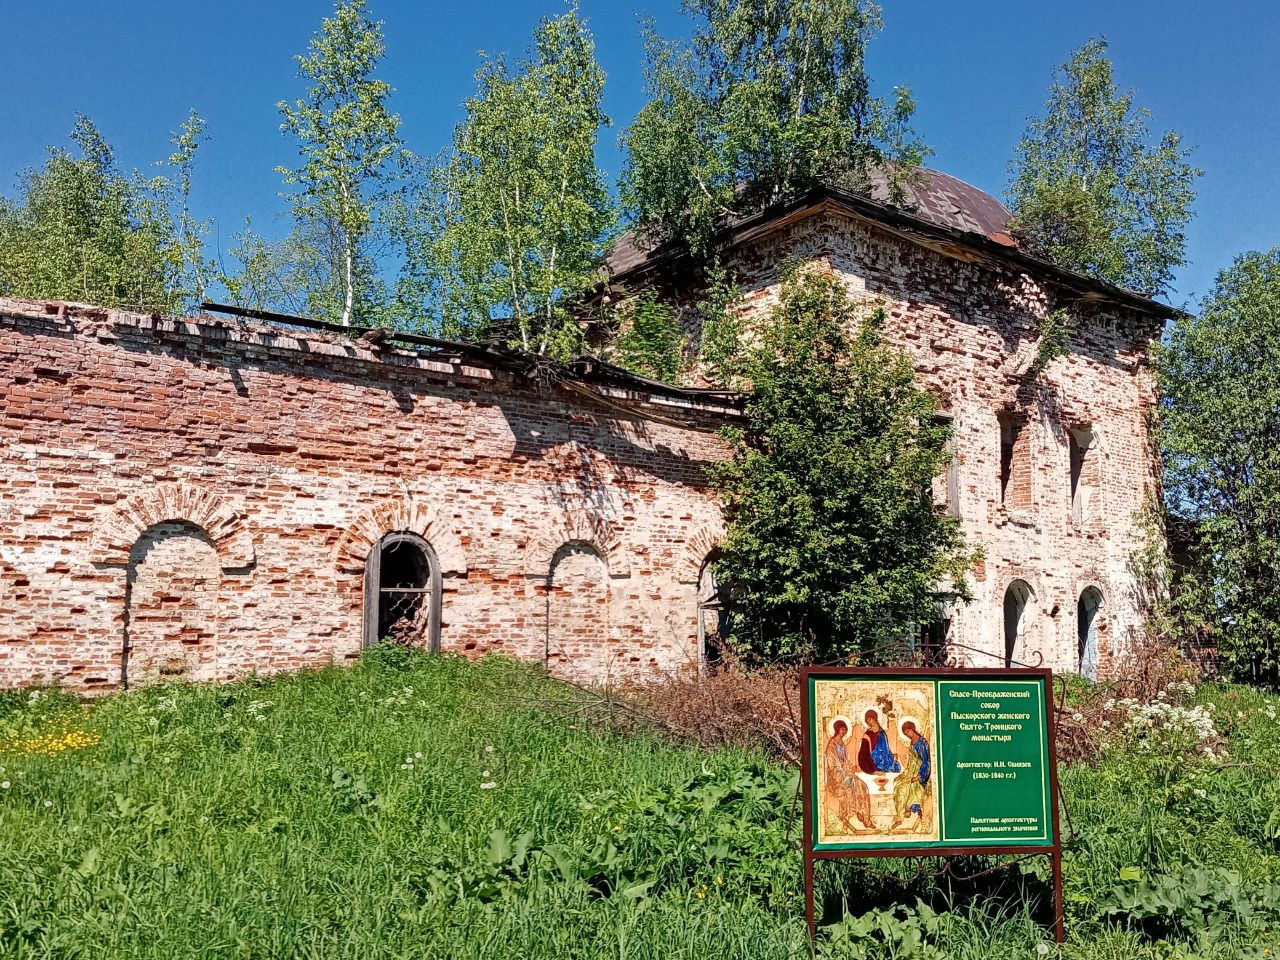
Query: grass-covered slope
[(433, 807)]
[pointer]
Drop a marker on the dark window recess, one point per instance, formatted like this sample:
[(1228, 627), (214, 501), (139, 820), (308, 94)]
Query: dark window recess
[(402, 592), (946, 489), (1084, 470), (1077, 464), (1087, 625), (713, 614), (1008, 438), (1015, 462)]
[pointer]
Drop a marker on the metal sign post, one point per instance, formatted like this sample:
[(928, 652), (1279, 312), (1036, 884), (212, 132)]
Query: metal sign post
[(928, 762)]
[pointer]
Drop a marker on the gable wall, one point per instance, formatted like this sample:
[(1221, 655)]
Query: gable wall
[(972, 332)]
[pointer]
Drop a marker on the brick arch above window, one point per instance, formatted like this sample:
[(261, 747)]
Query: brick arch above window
[(693, 556), (401, 516), (576, 528), (116, 535)]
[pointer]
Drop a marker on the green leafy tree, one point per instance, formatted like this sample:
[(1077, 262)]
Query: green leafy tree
[(190, 230), (769, 99), (1092, 191), (84, 231), (651, 343), (833, 544), (1220, 431), (516, 217), (284, 275), (350, 148), (721, 328)]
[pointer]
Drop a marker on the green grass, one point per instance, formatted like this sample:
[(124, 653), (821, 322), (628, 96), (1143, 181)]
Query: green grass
[(294, 817)]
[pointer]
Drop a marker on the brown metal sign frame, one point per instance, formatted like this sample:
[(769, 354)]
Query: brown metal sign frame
[(811, 854)]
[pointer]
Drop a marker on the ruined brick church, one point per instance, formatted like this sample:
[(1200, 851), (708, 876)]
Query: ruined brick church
[(206, 497)]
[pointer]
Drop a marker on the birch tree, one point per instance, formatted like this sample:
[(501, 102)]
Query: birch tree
[(350, 149), (770, 98), (515, 216), (1093, 190)]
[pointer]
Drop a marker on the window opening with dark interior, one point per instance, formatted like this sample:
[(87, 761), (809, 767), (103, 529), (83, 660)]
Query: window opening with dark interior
[(402, 592)]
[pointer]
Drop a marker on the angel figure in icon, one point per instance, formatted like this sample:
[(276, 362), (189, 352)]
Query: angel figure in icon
[(847, 795), (874, 753), (912, 791)]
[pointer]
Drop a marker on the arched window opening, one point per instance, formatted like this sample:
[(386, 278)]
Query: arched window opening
[(1017, 603), (1087, 624), (402, 592), (713, 614)]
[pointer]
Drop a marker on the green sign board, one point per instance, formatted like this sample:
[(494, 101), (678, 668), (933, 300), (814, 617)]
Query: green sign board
[(928, 760)]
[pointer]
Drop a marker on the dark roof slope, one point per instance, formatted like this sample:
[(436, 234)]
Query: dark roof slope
[(936, 208), (941, 199), (933, 196)]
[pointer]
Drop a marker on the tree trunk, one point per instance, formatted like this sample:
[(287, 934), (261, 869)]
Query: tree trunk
[(351, 287), (348, 260)]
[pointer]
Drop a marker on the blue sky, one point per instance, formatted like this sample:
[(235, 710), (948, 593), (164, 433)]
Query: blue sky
[(978, 70)]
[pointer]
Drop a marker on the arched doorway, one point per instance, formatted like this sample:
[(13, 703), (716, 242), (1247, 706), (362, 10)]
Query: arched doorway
[(402, 592), (1087, 625), (713, 614), (1017, 603)]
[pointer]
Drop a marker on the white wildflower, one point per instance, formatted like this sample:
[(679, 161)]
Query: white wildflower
[(488, 786), (4, 784)]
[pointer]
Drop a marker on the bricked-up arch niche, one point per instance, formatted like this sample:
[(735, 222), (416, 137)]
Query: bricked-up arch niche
[(402, 588), (1017, 621), (1088, 623), (171, 606), (577, 638)]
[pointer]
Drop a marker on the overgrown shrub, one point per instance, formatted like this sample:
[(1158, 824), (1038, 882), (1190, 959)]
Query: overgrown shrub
[(833, 544), (729, 707)]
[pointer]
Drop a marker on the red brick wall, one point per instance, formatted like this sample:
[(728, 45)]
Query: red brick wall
[(284, 457), (294, 453)]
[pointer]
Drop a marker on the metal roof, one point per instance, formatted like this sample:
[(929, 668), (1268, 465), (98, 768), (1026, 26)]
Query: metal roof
[(935, 207), (933, 196)]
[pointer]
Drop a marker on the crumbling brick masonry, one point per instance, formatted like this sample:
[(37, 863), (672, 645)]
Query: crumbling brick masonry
[(204, 498)]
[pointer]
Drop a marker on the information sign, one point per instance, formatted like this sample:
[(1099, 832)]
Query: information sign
[(928, 762)]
